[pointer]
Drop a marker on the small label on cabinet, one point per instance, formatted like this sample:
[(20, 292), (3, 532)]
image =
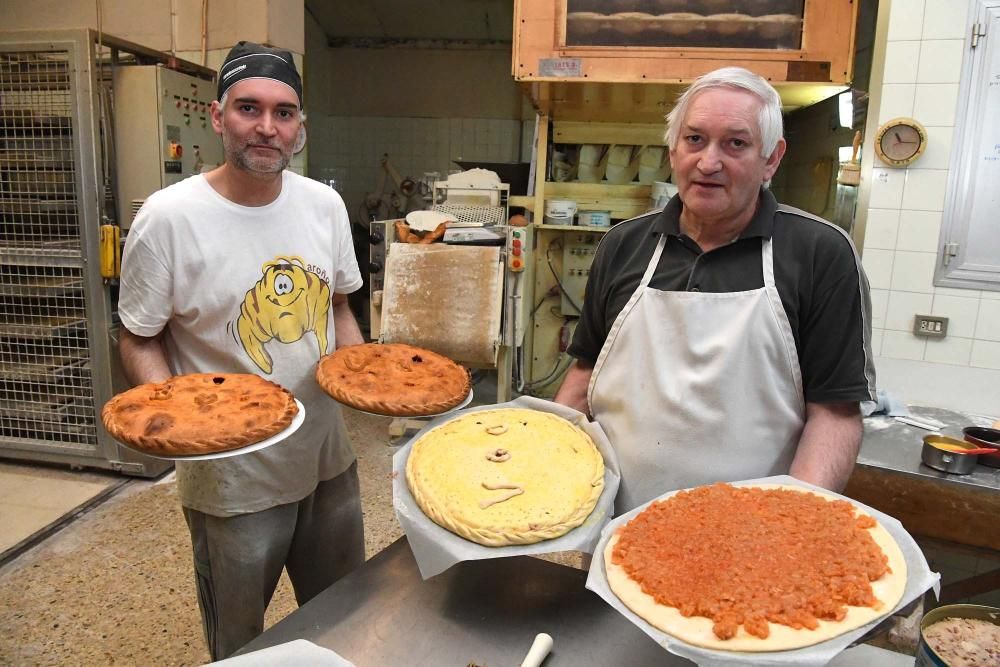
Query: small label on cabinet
[(568, 67)]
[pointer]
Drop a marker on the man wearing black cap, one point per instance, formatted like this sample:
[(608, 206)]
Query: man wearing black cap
[(245, 269)]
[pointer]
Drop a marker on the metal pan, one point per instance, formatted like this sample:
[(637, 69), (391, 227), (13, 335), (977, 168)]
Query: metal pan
[(944, 460), (985, 437)]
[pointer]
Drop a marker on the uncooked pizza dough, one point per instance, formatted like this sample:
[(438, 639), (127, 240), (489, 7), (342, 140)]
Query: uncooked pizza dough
[(698, 630)]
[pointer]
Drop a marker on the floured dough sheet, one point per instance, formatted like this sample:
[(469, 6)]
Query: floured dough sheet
[(444, 298)]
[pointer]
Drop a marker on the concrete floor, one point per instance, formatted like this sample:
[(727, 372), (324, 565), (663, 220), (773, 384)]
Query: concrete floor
[(116, 585)]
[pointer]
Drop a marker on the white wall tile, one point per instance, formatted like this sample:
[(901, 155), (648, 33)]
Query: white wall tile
[(913, 272), (897, 100), (961, 314), (940, 61), (880, 232), (901, 62), (925, 189), (887, 188), (988, 322), (949, 350), (903, 345), (880, 304), (878, 267), (906, 19), (877, 336), (943, 19), (918, 230), (902, 307), (938, 152), (959, 292), (985, 354), (989, 295), (934, 103)]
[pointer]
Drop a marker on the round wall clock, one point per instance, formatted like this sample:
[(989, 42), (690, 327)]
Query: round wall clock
[(900, 141)]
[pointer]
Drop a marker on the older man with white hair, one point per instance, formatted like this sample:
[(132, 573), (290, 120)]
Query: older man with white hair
[(727, 336)]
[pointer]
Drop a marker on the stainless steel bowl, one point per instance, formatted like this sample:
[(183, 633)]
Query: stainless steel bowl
[(955, 463)]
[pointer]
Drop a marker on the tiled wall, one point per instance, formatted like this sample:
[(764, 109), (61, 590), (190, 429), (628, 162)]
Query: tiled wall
[(348, 149), (926, 45)]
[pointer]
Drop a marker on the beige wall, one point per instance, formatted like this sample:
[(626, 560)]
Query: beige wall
[(423, 107), (925, 48), (417, 83), (168, 25)]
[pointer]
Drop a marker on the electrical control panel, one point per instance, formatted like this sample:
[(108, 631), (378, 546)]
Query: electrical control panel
[(578, 255), (163, 132), (517, 249)]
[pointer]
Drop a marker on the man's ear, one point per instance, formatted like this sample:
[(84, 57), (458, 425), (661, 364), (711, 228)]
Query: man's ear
[(216, 113), (774, 160)]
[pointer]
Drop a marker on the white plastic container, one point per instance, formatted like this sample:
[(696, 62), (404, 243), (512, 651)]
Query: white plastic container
[(559, 211), (594, 218)]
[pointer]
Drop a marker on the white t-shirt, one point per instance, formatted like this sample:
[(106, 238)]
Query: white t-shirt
[(247, 290)]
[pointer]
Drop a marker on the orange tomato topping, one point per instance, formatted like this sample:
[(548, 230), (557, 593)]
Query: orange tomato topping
[(745, 556)]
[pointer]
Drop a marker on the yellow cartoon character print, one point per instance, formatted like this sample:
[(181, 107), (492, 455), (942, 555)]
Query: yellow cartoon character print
[(284, 304)]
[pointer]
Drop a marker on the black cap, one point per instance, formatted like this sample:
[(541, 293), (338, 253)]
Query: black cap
[(247, 60)]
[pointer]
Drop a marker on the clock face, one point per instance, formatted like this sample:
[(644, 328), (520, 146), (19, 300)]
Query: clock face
[(900, 142)]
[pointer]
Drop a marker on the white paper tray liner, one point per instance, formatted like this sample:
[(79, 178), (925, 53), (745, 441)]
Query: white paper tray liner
[(436, 548), (919, 579)]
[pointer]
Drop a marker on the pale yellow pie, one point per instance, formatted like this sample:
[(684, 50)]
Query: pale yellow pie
[(506, 476)]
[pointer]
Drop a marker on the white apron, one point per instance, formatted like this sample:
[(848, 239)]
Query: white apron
[(694, 387)]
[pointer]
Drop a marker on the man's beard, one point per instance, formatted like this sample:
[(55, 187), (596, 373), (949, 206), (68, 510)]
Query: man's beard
[(239, 154)]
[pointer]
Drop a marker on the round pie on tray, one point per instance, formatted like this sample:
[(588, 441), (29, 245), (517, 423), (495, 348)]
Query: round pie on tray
[(506, 476), (200, 413), (747, 568), (393, 379)]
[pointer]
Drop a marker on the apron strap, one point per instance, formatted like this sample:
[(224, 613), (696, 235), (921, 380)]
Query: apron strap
[(651, 267), (784, 325)]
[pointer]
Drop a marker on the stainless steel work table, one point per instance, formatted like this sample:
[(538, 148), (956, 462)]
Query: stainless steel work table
[(957, 508), (482, 612), (893, 446)]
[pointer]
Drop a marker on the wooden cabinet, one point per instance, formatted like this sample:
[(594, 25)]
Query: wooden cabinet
[(672, 41)]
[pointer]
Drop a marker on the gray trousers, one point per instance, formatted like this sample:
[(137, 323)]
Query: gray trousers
[(238, 560)]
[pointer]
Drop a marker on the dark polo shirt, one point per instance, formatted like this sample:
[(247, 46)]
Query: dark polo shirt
[(816, 270)]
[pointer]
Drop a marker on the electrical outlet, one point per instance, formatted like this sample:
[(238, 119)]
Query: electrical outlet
[(930, 326)]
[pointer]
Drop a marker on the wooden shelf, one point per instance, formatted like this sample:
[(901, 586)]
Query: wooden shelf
[(623, 201), (571, 228)]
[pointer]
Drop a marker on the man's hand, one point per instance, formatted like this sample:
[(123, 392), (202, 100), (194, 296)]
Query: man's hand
[(143, 358), (573, 391), (828, 447)]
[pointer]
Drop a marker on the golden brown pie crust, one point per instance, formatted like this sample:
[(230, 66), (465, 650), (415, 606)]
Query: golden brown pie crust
[(200, 413), (393, 379)]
